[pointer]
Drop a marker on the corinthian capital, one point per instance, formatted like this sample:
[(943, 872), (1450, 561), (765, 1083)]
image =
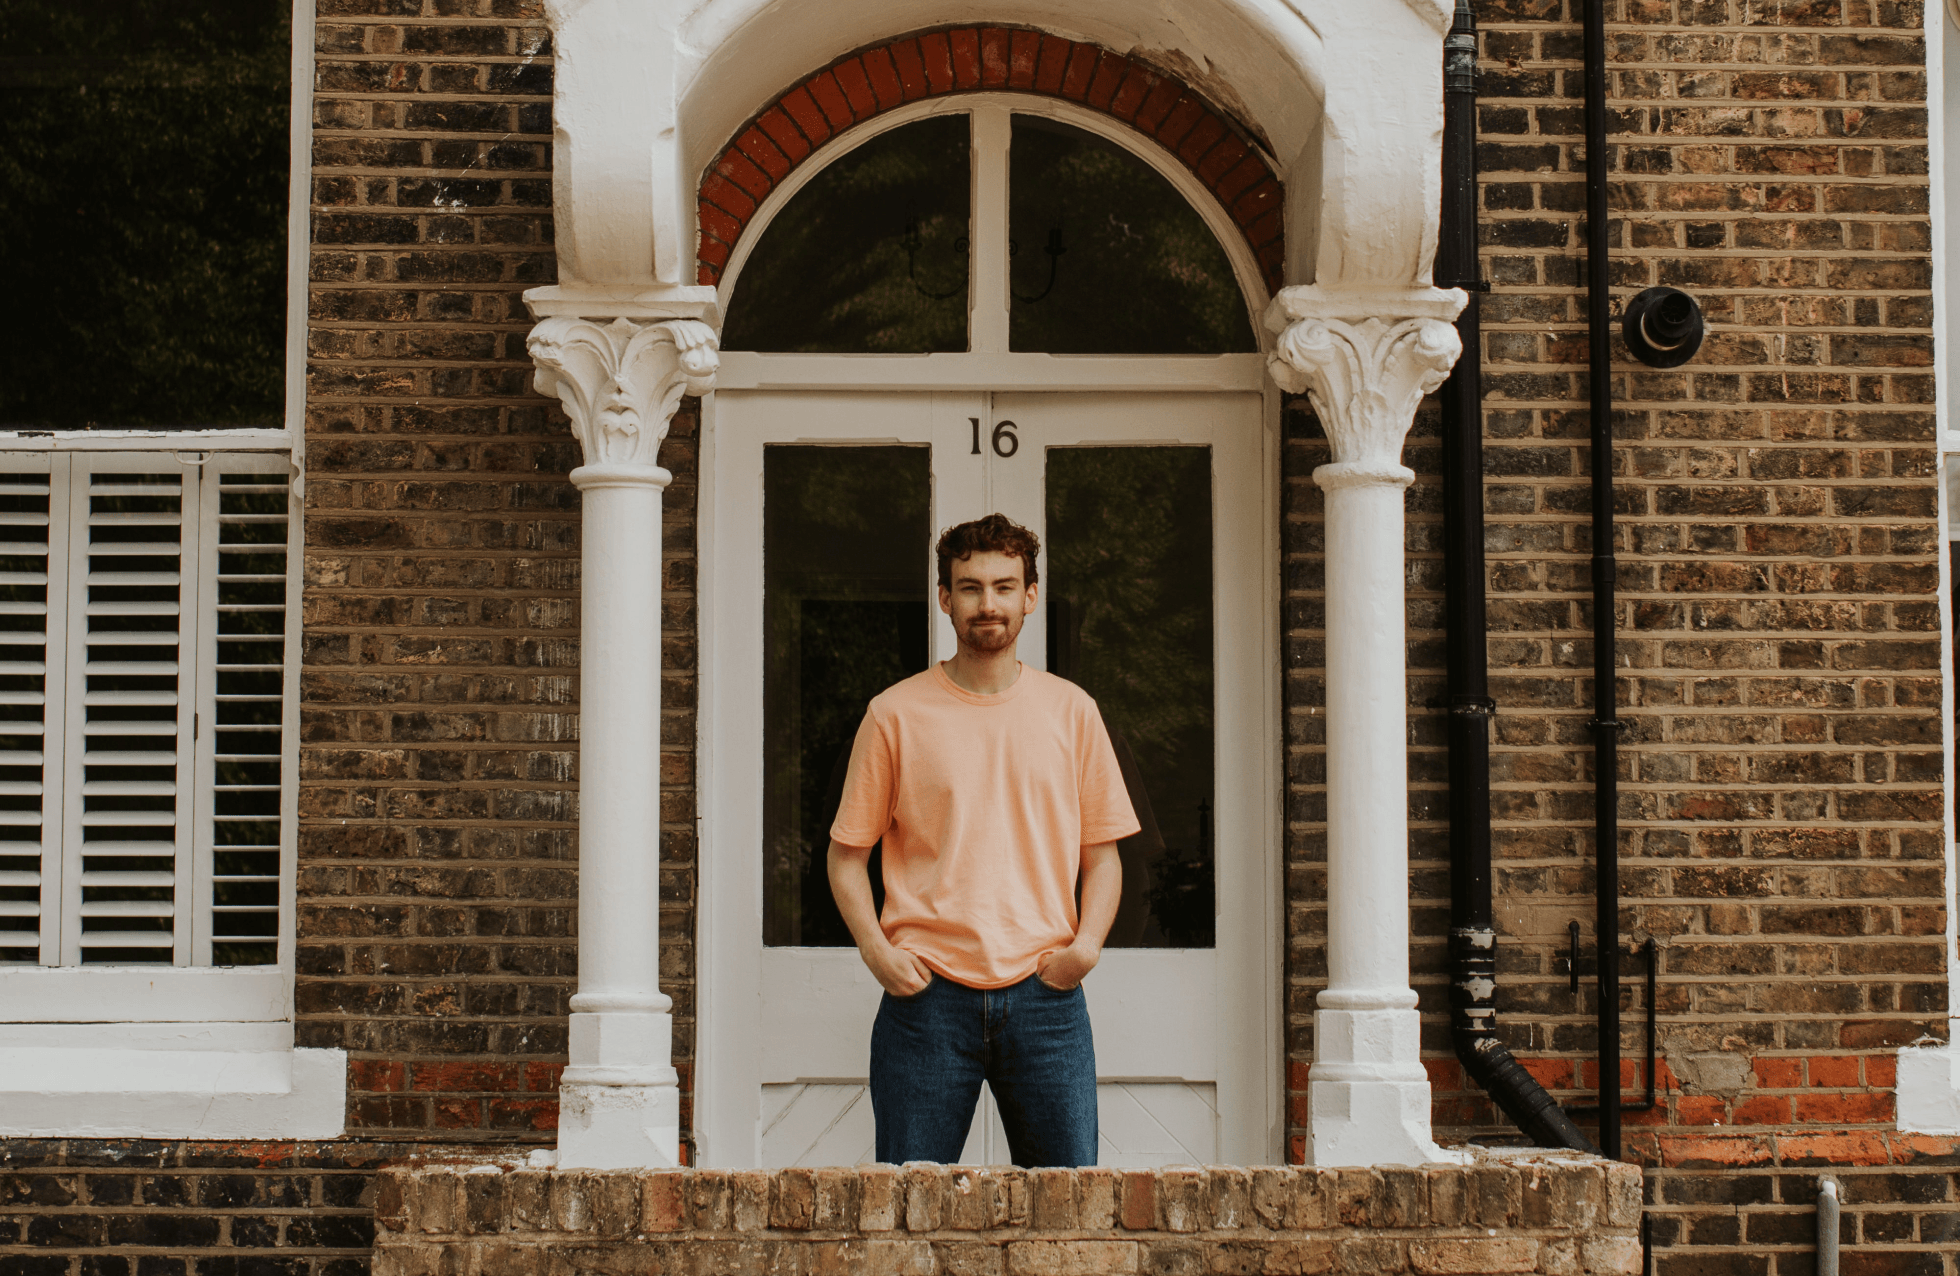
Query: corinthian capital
[(1365, 366), (621, 381)]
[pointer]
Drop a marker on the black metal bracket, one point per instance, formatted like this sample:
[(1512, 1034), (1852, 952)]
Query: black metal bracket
[(1653, 1019), (1472, 706), (1613, 724), (1468, 285), (1572, 961)]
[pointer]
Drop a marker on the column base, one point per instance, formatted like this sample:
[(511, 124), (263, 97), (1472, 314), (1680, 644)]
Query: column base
[(619, 1103), (1368, 1095), (619, 1127)]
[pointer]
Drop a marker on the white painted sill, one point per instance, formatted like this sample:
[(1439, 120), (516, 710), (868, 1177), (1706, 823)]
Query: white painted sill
[(1929, 1089), (182, 1053)]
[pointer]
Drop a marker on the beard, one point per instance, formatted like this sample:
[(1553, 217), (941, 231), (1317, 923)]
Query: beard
[(988, 639)]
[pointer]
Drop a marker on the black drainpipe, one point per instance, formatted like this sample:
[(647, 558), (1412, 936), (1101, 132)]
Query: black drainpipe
[(1605, 721), (1473, 964)]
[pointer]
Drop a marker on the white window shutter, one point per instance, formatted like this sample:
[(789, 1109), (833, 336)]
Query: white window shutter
[(147, 695), (127, 862), (243, 744), (33, 572)]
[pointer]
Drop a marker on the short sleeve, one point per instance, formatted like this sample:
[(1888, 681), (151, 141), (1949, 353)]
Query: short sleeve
[(866, 811), (1107, 815)]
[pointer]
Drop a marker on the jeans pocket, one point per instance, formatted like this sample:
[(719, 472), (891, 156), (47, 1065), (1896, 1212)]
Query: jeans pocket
[(1059, 992)]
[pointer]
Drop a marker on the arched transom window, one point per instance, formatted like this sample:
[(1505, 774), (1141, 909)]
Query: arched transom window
[(992, 224)]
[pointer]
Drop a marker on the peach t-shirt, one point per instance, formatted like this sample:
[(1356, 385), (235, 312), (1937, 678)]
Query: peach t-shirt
[(984, 804)]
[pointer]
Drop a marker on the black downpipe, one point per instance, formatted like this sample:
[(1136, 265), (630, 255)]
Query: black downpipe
[(1605, 722), (1473, 965)]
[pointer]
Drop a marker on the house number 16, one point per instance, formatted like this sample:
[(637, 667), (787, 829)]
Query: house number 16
[(1006, 442)]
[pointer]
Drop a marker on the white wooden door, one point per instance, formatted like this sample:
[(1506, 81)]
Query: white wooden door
[(1182, 1033)]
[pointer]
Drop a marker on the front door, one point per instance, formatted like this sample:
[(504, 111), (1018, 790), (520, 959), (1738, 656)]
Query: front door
[(1149, 507), (978, 304)]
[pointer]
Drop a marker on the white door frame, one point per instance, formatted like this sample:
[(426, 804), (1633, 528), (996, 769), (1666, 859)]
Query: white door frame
[(1250, 945)]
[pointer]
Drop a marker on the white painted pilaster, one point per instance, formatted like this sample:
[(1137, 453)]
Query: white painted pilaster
[(620, 383), (1365, 359)]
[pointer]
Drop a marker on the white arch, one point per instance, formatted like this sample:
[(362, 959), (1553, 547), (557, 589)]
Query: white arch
[(1245, 266), (751, 50), (1348, 95)]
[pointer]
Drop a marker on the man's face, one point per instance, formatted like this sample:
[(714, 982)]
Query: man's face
[(989, 601)]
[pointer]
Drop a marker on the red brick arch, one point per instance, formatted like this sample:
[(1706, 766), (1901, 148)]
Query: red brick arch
[(972, 59)]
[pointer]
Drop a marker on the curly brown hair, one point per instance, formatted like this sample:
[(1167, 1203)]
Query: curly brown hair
[(997, 534)]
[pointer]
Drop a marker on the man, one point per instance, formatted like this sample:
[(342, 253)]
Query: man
[(994, 789)]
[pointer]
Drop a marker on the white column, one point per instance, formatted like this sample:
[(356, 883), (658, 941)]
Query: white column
[(619, 1101), (1366, 360)]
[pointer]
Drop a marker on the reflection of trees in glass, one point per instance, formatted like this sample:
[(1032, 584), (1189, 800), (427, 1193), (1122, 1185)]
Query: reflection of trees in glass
[(1130, 597), (1141, 272), (845, 544), (870, 256), (143, 197)]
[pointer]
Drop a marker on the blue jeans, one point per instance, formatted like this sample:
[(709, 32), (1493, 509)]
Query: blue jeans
[(1028, 1042)]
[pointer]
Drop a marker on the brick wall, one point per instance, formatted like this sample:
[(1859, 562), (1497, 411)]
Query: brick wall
[(77, 1207), (1779, 632), (1544, 1214), (438, 853)]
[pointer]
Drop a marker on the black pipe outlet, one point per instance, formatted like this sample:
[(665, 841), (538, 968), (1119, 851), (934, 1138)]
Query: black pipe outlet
[(1663, 327)]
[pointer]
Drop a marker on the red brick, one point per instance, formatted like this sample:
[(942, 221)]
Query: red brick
[(1220, 160), (1023, 51), (712, 253), (908, 59), (1833, 1070), (1129, 95), (1157, 105), (1779, 1074), (780, 129), (1700, 1109), (464, 1076), (1199, 141), (1139, 1210), (376, 1075), (522, 1114), (1842, 1109), (718, 225), (802, 107), (764, 154), (663, 1202), (728, 196), (966, 58), (1881, 1070), (452, 1113), (1553, 1074), (1764, 1109), (1110, 70), (1831, 1149), (828, 94), (883, 74), (1714, 1150), (1263, 198), (1081, 69), (542, 1077), (1239, 179), (994, 45), (857, 87), (1053, 64)]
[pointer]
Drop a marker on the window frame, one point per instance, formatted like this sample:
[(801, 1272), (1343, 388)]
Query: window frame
[(989, 362), (192, 1051)]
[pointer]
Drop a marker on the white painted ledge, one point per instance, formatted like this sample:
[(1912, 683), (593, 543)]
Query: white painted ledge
[(1929, 1089), (180, 1088)]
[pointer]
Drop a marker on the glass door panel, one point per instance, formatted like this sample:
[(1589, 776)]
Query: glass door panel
[(845, 615), (1129, 603)]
